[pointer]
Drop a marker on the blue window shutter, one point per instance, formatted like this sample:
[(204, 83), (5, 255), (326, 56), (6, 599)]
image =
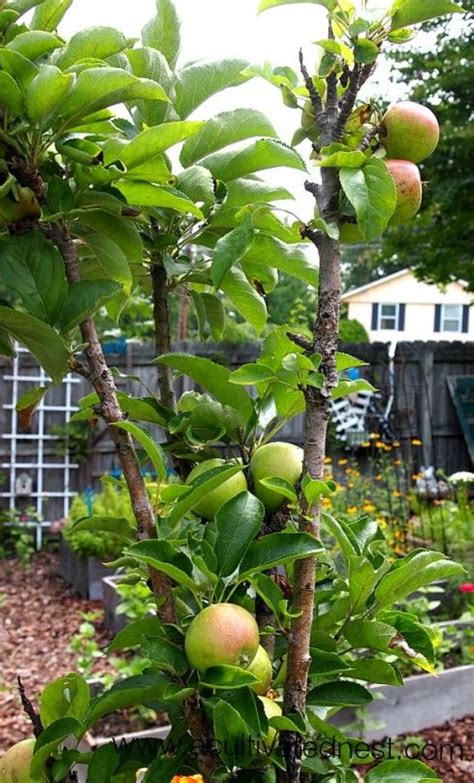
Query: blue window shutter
[(465, 318), (437, 321), (375, 316), (401, 317)]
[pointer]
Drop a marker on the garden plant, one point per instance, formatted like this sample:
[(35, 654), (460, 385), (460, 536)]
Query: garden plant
[(271, 615)]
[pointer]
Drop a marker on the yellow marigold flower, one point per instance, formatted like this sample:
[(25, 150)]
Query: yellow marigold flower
[(379, 444), (398, 550), (399, 535), (342, 461), (327, 460), (326, 503), (416, 442), (381, 522), (417, 476), (350, 484), (378, 477), (396, 444), (369, 507), (397, 461), (187, 779), (352, 510), (396, 493), (365, 444), (374, 436)]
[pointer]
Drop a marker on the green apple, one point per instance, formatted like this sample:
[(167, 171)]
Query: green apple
[(279, 460), (214, 500), (272, 710), (406, 176), (15, 764), (409, 131), (222, 634), (261, 667)]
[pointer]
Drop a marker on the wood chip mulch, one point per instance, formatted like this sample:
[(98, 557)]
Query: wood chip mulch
[(39, 613)]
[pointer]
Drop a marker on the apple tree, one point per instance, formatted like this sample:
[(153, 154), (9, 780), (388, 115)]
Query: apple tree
[(269, 615)]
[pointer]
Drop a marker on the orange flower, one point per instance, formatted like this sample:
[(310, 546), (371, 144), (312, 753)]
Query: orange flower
[(187, 779), (416, 442), (379, 444)]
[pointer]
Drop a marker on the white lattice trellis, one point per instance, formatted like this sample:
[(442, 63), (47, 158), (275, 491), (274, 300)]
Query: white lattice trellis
[(37, 464)]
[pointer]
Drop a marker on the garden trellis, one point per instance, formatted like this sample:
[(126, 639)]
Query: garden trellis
[(35, 453)]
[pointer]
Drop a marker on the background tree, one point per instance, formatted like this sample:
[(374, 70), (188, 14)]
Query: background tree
[(438, 247)]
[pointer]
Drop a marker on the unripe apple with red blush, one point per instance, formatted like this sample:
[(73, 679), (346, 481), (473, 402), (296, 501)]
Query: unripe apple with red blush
[(409, 131), (406, 176), (222, 635), (15, 764)]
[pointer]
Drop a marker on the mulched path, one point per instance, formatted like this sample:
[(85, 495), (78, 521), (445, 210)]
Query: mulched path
[(39, 613)]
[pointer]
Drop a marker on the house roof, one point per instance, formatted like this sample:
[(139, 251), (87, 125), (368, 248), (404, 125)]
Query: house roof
[(383, 280), (375, 283)]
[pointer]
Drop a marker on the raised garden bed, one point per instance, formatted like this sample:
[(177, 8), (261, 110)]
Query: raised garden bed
[(84, 574), (115, 622)]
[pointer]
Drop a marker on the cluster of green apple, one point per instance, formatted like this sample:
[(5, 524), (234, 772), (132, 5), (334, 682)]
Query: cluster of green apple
[(409, 133), (226, 634)]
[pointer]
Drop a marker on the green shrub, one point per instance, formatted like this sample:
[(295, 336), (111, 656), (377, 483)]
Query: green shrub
[(112, 501)]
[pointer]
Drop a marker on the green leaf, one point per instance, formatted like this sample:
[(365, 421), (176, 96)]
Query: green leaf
[(245, 299), (314, 489), (339, 693), (103, 764), (204, 484), (277, 549), (343, 535), (67, 697), (251, 374), (11, 97), (152, 142), (267, 251), (60, 196), (241, 192), (6, 345), (111, 262), (154, 451), (224, 129), (418, 570), (227, 677), (369, 634), (259, 155), (93, 43), (230, 249), (131, 635), (362, 580), (34, 44), (121, 230), (371, 191), (199, 81), (163, 31), (341, 155), (41, 340), (407, 12), (164, 654), (373, 670), (84, 299), (215, 314), (345, 388), (22, 69), (233, 540), (197, 183), (164, 557), (401, 771), (324, 663), (28, 403), (230, 731), (414, 634), (118, 526), (281, 487), (365, 51), (144, 194), (212, 377), (48, 742), (345, 361), (99, 88), (265, 5), (142, 689), (49, 13), (47, 91)]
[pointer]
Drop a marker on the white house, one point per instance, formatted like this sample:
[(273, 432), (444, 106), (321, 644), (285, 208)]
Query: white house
[(403, 308)]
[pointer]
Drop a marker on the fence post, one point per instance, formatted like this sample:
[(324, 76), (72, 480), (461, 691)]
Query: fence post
[(426, 413)]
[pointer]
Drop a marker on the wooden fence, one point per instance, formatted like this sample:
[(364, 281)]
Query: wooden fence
[(422, 409)]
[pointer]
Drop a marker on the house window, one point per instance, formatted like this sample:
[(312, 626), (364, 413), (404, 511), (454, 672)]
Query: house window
[(451, 318), (388, 318)]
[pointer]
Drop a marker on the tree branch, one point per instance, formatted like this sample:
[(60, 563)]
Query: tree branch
[(371, 134), (331, 95), (315, 433), (29, 709), (316, 102), (99, 375), (161, 315), (347, 102)]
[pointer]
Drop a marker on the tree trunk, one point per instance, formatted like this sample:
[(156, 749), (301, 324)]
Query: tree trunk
[(161, 314)]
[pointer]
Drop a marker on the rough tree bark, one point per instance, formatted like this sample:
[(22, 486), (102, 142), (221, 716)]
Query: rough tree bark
[(161, 315), (330, 120)]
